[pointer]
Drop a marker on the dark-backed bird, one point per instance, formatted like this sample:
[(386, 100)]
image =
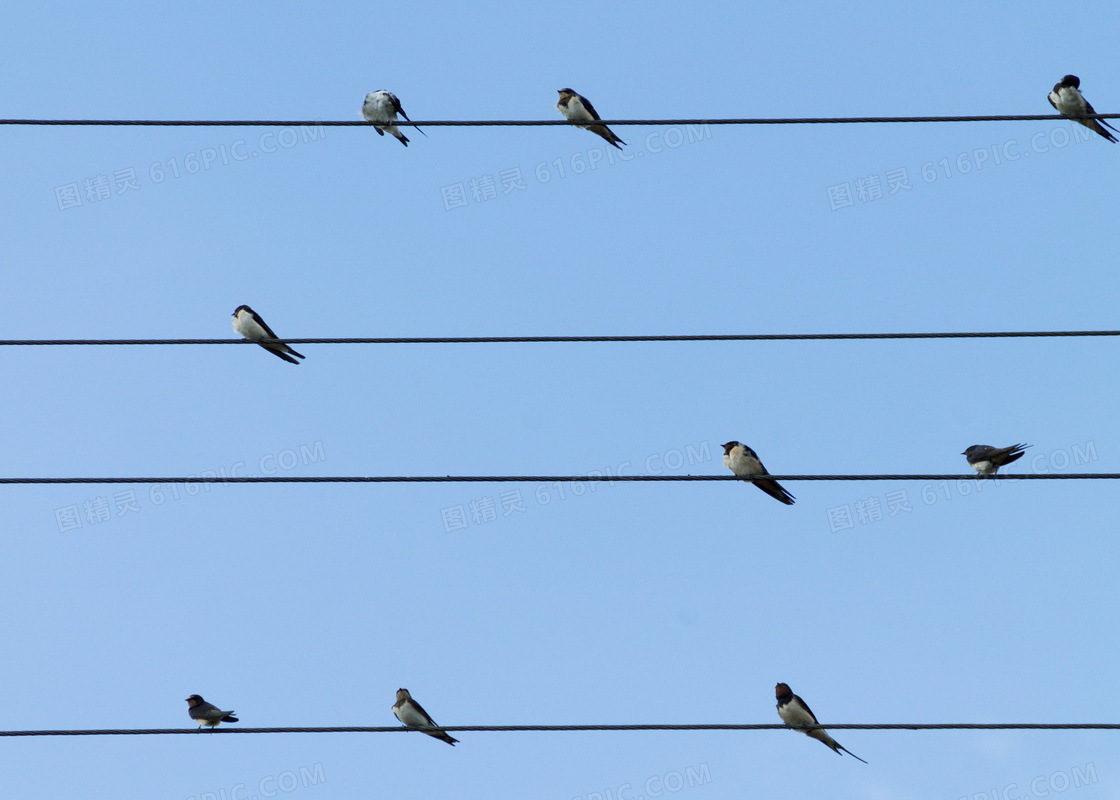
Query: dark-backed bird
[(987, 460), (795, 711), (1066, 97), (578, 109), (206, 713), (413, 715), (249, 324), (744, 462)]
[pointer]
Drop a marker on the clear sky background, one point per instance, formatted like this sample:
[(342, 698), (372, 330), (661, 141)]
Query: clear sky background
[(309, 605)]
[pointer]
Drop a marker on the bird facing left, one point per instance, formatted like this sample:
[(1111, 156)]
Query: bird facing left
[(206, 713)]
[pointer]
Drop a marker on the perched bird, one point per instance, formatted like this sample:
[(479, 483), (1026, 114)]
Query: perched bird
[(413, 715), (987, 460), (1068, 100), (381, 108), (577, 108), (249, 324), (206, 714), (795, 711), (744, 462)]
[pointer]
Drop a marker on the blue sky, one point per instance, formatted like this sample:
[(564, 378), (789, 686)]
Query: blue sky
[(309, 605)]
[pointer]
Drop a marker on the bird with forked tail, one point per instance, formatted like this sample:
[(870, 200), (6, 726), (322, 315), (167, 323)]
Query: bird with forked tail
[(744, 462), (1066, 97), (413, 715), (207, 714), (796, 712), (578, 109), (987, 460)]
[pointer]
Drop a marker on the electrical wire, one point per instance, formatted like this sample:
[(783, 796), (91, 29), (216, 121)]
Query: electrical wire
[(548, 479), (906, 726), (715, 337), (526, 122), (556, 478)]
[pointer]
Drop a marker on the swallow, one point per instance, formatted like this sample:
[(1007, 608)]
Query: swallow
[(577, 108), (744, 462), (207, 714), (1068, 100), (381, 108), (249, 324), (413, 715), (987, 460), (795, 711)]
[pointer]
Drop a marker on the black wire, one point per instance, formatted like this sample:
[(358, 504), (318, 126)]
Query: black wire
[(555, 478), (717, 337), (910, 726), (733, 337), (747, 337), (526, 122)]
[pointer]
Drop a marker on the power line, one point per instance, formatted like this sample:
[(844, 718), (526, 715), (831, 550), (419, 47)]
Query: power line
[(905, 726), (715, 337), (533, 123), (522, 728), (554, 478)]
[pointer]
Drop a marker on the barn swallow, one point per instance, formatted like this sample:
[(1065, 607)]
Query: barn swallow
[(1068, 100), (413, 715), (744, 462), (382, 107), (577, 108), (249, 324), (987, 460), (207, 714), (795, 711)]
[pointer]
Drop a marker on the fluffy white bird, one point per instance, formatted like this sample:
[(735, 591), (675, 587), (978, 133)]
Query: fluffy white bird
[(381, 108)]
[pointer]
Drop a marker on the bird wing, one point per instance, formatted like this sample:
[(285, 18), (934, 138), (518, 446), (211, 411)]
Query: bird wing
[(590, 108)]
